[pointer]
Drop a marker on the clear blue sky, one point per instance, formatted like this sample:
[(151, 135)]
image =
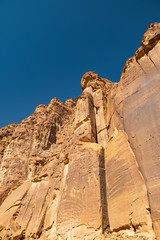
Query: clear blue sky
[(47, 45)]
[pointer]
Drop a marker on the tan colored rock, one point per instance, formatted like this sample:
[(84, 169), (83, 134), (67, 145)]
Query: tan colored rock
[(98, 88), (152, 34), (28, 154), (80, 210), (94, 80), (30, 144), (128, 205), (88, 169), (5, 137), (85, 126), (138, 93)]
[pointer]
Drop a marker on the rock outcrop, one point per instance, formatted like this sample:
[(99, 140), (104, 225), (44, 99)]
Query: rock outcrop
[(90, 168)]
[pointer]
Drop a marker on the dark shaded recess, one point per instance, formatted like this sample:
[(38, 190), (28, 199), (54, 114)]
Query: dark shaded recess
[(144, 49), (52, 137), (96, 138), (103, 192), (4, 195)]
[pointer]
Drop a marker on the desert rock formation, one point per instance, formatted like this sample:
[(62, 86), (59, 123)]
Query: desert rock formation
[(90, 168)]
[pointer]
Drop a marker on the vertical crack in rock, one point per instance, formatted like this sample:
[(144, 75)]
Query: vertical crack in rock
[(103, 191), (141, 67), (77, 169), (95, 128), (97, 87)]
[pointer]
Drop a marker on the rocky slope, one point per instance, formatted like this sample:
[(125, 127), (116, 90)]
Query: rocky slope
[(90, 168)]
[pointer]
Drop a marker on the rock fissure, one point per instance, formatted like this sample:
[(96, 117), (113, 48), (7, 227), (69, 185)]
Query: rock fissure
[(153, 62), (142, 68), (88, 169)]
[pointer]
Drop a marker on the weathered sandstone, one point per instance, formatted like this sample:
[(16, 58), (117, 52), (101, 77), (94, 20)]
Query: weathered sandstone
[(90, 168)]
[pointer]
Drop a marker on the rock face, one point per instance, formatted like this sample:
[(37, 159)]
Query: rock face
[(90, 168)]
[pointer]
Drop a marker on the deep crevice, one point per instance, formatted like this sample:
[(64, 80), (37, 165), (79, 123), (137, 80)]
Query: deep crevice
[(103, 192), (96, 138)]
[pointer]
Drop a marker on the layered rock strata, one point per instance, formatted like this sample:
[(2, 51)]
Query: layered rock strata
[(89, 168)]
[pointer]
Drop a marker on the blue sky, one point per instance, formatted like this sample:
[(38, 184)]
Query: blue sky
[(47, 45)]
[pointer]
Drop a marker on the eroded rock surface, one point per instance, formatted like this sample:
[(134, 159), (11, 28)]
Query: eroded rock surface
[(90, 168)]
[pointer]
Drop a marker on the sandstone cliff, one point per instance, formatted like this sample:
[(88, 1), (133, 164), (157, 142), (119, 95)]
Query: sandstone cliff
[(90, 168)]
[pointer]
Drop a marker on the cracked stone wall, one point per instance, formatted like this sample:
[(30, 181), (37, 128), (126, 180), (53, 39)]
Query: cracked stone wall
[(88, 168)]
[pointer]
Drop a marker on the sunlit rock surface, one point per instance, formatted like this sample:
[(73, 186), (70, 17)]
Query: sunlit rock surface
[(90, 168)]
